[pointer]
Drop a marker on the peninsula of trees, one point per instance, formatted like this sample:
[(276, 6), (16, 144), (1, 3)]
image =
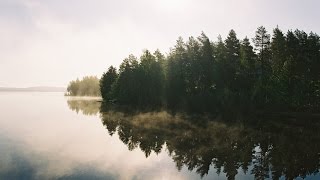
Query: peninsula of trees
[(279, 72), (87, 86)]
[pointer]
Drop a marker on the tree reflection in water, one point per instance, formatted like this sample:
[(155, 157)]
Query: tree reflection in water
[(270, 147), (264, 147), (85, 106)]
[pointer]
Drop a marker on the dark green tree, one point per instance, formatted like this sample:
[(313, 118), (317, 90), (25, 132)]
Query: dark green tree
[(262, 44), (127, 87), (151, 79), (230, 68), (248, 70), (176, 72), (278, 49), (107, 81), (220, 54), (233, 58), (277, 87)]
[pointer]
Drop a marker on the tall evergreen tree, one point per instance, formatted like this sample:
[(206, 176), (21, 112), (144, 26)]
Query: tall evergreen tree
[(278, 49), (106, 82), (262, 44), (247, 70), (176, 84), (207, 62), (278, 81), (220, 59), (248, 57), (127, 87), (233, 58), (151, 79), (193, 68)]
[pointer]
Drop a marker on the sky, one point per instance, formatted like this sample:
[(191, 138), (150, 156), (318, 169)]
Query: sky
[(50, 42)]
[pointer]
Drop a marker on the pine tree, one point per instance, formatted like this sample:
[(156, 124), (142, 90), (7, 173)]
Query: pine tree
[(262, 44), (278, 49), (107, 80), (247, 68), (233, 59)]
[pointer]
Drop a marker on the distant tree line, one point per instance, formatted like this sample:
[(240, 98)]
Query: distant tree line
[(87, 86), (280, 72)]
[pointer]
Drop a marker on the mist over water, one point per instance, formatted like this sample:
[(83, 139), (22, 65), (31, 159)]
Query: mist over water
[(49, 136)]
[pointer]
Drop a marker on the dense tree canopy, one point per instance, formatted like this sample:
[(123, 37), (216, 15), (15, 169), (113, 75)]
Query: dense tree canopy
[(280, 72)]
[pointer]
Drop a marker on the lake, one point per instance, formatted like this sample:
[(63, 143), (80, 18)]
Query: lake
[(49, 136)]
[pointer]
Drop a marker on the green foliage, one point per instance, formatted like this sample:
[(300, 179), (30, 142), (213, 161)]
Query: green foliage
[(176, 88), (280, 73), (127, 84), (88, 86), (278, 50), (106, 82), (262, 44), (247, 76), (140, 83)]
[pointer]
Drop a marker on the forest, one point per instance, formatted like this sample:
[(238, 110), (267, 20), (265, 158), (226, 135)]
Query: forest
[(275, 72), (87, 86)]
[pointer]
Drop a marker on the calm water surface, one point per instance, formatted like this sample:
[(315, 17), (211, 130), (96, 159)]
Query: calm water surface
[(49, 136)]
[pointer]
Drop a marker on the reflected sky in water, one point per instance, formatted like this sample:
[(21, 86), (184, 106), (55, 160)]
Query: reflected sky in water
[(49, 136)]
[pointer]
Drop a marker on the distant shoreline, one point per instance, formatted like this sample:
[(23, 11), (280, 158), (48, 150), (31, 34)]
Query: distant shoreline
[(98, 98), (33, 89)]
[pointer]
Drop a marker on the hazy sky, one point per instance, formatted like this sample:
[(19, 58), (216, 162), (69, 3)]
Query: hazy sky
[(50, 42)]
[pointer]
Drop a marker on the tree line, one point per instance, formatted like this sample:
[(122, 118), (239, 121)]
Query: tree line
[(280, 72), (87, 86)]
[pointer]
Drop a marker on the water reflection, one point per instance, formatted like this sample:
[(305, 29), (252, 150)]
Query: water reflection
[(87, 106), (270, 148), (263, 148), (18, 162)]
